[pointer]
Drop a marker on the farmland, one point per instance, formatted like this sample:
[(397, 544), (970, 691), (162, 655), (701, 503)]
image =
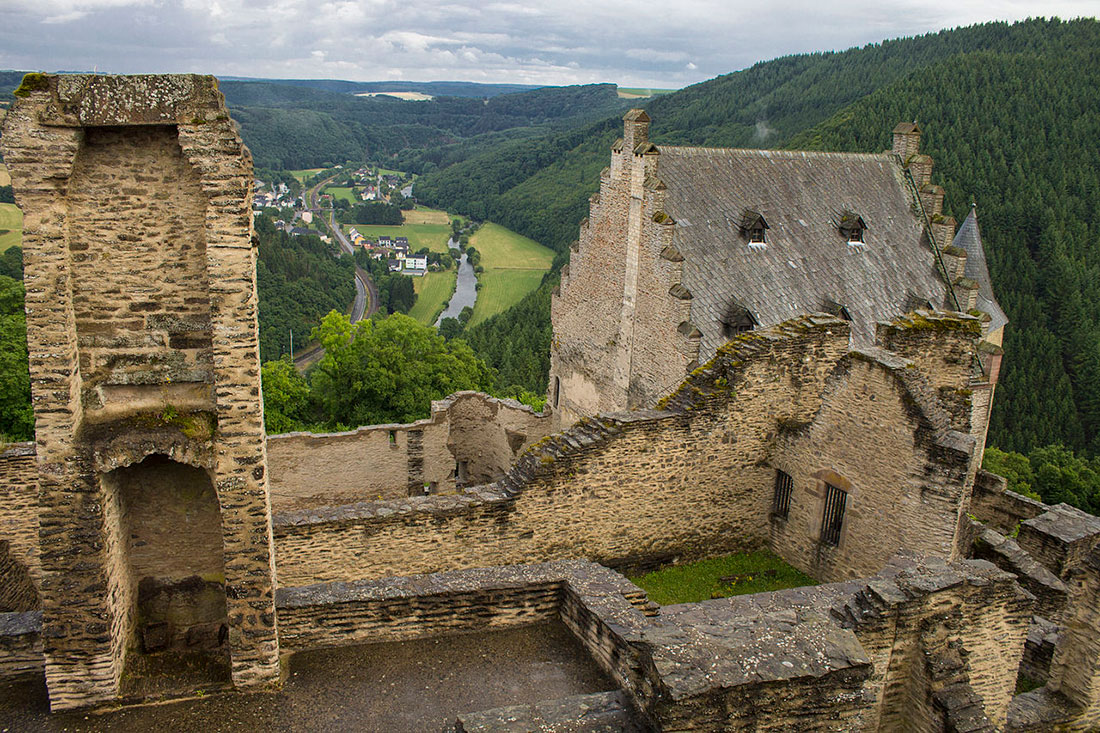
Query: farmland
[(514, 266), (432, 291)]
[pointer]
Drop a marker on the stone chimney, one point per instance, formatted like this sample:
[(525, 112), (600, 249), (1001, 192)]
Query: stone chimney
[(635, 129), (906, 140), (931, 198), (943, 229)]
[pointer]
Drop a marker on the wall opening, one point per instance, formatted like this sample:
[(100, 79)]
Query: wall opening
[(170, 565)]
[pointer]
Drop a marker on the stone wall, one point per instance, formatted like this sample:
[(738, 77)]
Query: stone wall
[(872, 398), (629, 355), (993, 504), (141, 331), (19, 506), (470, 438), (20, 645), (640, 489)]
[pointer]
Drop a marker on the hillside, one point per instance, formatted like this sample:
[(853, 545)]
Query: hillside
[(1011, 118), (290, 126)]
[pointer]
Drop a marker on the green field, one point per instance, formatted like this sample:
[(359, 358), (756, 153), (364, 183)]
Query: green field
[(432, 236), (11, 220), (432, 291), (305, 174), (750, 572), (341, 192), (514, 266), (424, 215), (641, 92)]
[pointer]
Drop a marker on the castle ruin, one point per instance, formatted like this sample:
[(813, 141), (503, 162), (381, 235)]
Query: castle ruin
[(139, 525)]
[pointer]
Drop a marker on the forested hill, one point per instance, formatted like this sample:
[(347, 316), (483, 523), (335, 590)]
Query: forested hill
[(293, 126), (1010, 113)]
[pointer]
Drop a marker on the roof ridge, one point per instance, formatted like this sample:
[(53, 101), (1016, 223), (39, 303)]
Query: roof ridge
[(765, 152)]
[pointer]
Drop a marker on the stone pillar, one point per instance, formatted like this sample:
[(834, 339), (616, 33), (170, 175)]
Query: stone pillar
[(141, 323), (906, 140)]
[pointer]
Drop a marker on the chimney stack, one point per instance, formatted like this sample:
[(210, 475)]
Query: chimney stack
[(635, 129), (906, 140)]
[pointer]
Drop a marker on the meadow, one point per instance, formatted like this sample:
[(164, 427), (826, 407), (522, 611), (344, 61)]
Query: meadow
[(343, 193), (514, 266), (432, 291), (11, 224), (305, 174)]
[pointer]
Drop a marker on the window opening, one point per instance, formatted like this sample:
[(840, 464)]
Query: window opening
[(781, 501), (833, 520), (393, 437)]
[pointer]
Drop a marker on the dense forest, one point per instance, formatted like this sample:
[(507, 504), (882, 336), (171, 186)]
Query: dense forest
[(292, 126), (299, 280), (1010, 113)]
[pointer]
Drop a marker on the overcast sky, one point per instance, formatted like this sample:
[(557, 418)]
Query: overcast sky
[(629, 42)]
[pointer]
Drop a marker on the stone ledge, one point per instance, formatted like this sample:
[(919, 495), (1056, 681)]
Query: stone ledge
[(602, 712)]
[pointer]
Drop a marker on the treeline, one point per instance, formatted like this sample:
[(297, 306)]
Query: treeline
[(373, 212), (299, 280), (395, 291), (290, 126), (1052, 474)]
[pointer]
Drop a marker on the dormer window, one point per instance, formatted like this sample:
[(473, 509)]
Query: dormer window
[(754, 227), (851, 226)]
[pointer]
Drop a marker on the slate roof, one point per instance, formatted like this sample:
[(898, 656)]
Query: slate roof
[(807, 262), (969, 237)]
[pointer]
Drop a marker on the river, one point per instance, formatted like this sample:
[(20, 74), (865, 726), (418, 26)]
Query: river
[(465, 289)]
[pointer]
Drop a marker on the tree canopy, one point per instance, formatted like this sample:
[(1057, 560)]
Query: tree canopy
[(388, 370)]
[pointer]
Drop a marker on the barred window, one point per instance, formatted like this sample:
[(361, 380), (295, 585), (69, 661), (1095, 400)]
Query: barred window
[(781, 501), (833, 520)]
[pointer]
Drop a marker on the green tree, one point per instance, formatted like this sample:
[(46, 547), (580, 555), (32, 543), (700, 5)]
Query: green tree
[(388, 370), (286, 396), (16, 415)]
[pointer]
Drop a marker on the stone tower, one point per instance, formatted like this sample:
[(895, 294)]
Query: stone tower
[(155, 523)]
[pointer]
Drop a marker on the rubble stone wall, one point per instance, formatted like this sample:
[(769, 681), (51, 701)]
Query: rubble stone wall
[(19, 506), (470, 438)]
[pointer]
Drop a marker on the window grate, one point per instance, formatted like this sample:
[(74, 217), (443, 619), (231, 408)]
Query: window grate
[(833, 521), (781, 501)]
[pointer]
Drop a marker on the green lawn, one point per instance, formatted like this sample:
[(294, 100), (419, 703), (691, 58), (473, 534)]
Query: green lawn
[(514, 266), (11, 221), (341, 192), (432, 291), (757, 572), (432, 236)]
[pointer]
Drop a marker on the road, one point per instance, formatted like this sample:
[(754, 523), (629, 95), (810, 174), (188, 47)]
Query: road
[(366, 293)]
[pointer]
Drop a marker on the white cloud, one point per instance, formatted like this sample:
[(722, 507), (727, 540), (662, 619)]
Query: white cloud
[(569, 41)]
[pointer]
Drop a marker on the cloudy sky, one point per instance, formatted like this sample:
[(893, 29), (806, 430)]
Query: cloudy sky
[(630, 42)]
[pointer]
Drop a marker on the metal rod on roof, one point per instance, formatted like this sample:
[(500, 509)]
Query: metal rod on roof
[(931, 236)]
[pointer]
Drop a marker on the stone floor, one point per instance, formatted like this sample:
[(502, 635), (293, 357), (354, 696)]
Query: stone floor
[(407, 686)]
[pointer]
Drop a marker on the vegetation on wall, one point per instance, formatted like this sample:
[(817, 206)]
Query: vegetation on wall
[(16, 416)]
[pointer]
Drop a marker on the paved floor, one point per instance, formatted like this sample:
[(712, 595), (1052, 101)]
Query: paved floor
[(407, 686)]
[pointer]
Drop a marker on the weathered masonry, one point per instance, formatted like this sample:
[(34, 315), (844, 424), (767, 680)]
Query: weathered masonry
[(154, 527)]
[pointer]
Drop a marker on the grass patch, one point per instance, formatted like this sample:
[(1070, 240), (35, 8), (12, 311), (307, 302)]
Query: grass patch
[(424, 215), (1026, 684), (751, 572), (432, 291), (432, 236), (342, 193), (11, 226), (305, 174), (514, 266)]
